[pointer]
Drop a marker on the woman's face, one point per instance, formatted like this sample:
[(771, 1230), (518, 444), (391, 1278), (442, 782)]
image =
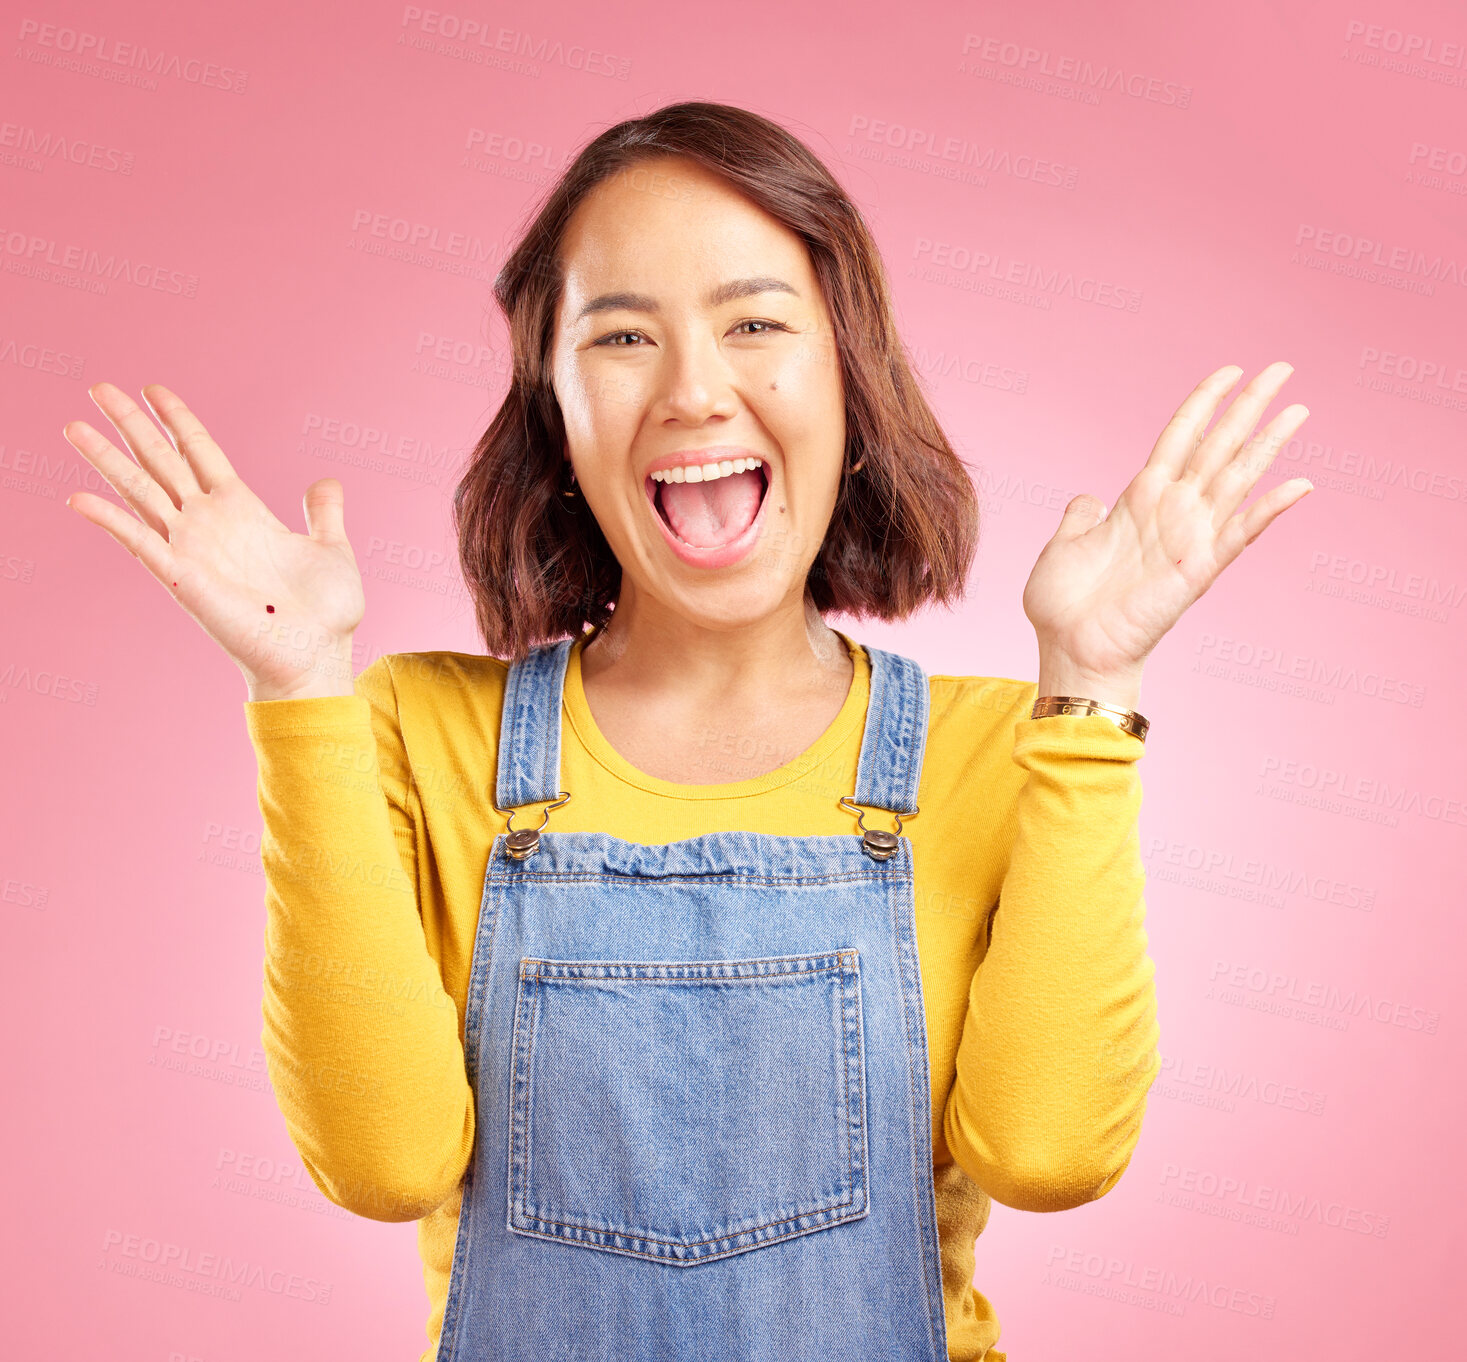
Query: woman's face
[(691, 329)]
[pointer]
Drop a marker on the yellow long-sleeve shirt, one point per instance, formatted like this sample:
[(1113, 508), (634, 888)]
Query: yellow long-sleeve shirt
[(378, 817)]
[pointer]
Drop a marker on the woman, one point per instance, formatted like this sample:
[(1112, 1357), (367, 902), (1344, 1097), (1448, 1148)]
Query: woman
[(669, 986)]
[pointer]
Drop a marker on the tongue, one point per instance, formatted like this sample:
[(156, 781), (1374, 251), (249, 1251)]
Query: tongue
[(710, 514)]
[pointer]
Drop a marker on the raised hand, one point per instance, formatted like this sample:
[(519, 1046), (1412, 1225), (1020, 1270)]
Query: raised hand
[(1108, 586), (284, 606)]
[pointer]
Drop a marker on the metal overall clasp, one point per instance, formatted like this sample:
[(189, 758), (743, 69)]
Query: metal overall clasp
[(877, 843), (525, 843)]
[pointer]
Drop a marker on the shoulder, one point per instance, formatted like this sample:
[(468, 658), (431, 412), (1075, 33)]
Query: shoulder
[(438, 669), (971, 727), (445, 687), (979, 706)]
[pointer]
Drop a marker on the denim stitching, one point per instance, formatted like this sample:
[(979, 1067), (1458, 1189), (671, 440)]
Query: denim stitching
[(920, 1138), (555, 662), (527, 1152), (825, 1213), (509, 876), (901, 888), (846, 1089), (478, 971), (794, 965), (517, 1080)]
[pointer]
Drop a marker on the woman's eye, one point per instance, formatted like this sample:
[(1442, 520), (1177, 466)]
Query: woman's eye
[(611, 340)]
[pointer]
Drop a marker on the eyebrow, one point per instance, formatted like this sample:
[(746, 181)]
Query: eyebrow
[(724, 293)]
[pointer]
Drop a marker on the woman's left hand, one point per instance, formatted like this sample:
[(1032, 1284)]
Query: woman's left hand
[(1107, 587)]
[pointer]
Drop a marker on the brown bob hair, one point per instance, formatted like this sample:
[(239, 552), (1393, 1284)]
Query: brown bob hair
[(905, 524)]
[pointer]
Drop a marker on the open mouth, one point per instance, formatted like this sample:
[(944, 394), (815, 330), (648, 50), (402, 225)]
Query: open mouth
[(710, 515)]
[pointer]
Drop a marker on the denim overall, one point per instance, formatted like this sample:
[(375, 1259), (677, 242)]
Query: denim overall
[(701, 1079)]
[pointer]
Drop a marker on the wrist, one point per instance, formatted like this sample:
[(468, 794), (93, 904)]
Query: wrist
[(325, 669), (316, 690), (1060, 675)]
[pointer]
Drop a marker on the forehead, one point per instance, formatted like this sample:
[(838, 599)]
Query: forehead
[(667, 226)]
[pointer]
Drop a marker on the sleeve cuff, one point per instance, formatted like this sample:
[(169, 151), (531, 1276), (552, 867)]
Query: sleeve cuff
[(318, 714), (1075, 735)]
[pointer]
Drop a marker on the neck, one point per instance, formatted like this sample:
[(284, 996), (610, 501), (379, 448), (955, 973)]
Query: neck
[(664, 657)]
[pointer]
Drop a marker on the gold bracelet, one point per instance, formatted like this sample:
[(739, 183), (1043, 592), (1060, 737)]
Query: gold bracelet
[(1126, 719)]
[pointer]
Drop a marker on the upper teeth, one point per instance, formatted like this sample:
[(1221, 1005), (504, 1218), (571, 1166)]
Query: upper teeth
[(705, 472)]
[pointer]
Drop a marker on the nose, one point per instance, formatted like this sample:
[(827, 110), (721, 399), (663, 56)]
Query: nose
[(694, 383)]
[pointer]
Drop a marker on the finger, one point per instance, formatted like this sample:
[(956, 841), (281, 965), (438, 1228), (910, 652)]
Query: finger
[(1083, 512), (171, 472), (1247, 525), (205, 457), (1235, 479), (1183, 432), (133, 484), (1235, 425), (148, 547)]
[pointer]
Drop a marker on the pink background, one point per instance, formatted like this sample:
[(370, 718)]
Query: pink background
[(1304, 811)]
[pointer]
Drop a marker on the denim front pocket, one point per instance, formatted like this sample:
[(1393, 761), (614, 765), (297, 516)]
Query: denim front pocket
[(684, 1111)]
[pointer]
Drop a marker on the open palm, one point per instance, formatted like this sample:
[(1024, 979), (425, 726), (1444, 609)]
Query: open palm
[(1107, 587), (282, 605)]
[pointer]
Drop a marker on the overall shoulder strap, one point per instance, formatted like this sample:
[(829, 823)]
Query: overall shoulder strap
[(895, 736), (892, 743), (529, 729)]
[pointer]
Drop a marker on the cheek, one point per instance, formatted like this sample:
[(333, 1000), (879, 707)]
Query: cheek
[(815, 366), (803, 384), (808, 434), (804, 410), (604, 403), (586, 392), (807, 402)]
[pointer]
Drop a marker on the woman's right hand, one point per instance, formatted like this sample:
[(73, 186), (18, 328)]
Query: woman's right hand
[(284, 606)]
